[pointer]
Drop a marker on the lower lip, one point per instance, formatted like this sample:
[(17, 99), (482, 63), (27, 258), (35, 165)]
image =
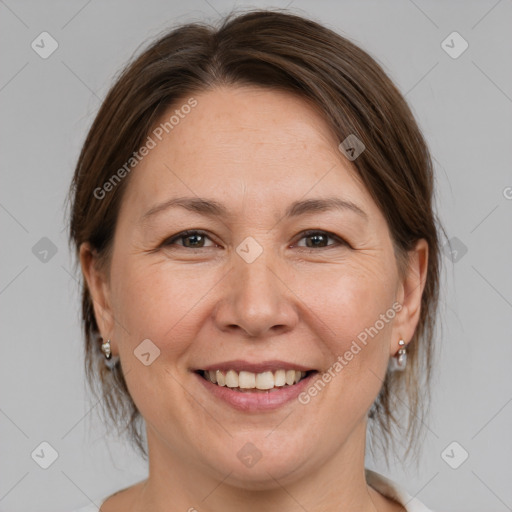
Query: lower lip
[(258, 400)]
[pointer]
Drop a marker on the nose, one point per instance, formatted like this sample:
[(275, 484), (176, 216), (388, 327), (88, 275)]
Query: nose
[(257, 300)]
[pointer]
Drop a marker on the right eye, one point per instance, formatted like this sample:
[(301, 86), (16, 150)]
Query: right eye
[(191, 239)]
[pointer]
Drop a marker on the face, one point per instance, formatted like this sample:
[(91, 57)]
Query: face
[(286, 265)]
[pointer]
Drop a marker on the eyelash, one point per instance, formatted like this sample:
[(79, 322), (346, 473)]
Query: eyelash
[(304, 234)]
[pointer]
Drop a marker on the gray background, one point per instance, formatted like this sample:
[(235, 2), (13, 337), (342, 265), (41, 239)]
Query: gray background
[(464, 107)]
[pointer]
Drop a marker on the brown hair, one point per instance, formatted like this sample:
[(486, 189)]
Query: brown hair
[(279, 50)]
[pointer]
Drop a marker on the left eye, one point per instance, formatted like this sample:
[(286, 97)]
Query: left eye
[(318, 239)]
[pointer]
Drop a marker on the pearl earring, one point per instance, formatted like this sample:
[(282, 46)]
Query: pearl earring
[(105, 348), (401, 356)]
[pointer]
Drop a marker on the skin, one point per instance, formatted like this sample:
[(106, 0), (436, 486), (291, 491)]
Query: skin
[(255, 151)]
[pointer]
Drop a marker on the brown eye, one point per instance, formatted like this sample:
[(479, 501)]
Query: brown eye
[(319, 239), (189, 239)]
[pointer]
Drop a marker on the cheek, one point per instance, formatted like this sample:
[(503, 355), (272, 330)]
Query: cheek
[(354, 313), (156, 303), (353, 301), (160, 302)]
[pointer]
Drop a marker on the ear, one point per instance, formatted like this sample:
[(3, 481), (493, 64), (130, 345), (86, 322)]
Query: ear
[(409, 293), (99, 289)]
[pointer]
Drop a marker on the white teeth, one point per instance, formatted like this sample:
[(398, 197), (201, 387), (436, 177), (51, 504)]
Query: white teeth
[(221, 379), (249, 380), (265, 380), (280, 378), (246, 380), (232, 379)]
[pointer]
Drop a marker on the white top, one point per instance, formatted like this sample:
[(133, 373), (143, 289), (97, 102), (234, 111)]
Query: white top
[(380, 483)]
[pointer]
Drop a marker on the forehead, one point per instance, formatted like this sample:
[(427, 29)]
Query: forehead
[(245, 142), (243, 113)]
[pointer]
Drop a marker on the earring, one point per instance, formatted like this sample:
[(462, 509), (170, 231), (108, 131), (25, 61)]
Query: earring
[(105, 348), (401, 356)]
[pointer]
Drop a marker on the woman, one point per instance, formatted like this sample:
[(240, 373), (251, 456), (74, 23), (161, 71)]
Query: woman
[(252, 211)]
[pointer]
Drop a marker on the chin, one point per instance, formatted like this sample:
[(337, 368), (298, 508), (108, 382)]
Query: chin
[(263, 468)]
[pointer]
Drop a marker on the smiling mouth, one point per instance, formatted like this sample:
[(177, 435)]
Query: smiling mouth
[(245, 381)]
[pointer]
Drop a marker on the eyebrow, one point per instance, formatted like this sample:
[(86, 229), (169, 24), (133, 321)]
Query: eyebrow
[(212, 208)]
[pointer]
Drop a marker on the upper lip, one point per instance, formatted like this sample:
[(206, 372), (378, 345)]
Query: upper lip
[(263, 366)]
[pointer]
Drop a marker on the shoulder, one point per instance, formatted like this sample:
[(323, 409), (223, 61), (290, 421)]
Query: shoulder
[(119, 500), (390, 489)]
